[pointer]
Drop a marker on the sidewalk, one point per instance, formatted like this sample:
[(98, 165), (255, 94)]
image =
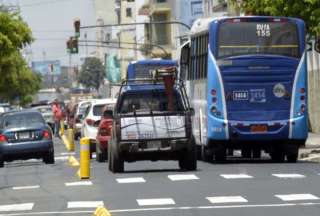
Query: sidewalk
[(313, 141), (311, 151)]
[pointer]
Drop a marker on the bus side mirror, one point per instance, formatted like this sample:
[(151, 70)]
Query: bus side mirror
[(317, 45)]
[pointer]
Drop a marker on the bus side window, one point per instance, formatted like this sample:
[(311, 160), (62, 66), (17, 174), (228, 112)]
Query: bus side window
[(184, 62)]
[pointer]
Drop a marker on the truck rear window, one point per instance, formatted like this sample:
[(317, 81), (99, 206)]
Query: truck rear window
[(150, 101)]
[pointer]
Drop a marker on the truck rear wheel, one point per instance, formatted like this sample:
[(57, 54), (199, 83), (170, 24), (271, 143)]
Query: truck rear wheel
[(116, 162), (101, 156), (188, 159)]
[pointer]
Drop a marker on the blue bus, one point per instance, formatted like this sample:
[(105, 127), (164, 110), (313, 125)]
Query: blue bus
[(141, 69), (246, 78)]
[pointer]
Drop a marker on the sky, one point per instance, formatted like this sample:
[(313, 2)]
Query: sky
[(51, 22)]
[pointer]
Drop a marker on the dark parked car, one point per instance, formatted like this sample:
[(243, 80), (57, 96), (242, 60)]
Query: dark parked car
[(25, 135)]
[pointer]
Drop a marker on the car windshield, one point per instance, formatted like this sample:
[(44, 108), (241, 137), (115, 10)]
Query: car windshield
[(150, 101), (22, 120), (98, 109)]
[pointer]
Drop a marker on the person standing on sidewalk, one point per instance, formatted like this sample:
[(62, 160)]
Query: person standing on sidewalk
[(57, 116)]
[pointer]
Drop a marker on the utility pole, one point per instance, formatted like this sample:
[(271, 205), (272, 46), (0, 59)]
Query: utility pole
[(86, 42)]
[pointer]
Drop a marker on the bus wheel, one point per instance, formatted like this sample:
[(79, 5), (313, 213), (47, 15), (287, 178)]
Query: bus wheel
[(292, 153)]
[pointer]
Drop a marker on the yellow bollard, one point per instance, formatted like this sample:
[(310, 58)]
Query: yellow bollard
[(71, 139), (61, 127), (101, 211), (84, 172)]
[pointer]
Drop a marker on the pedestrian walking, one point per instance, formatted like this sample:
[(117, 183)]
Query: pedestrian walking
[(57, 116)]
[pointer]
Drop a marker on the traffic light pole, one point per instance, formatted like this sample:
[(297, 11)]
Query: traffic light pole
[(129, 43), (138, 23)]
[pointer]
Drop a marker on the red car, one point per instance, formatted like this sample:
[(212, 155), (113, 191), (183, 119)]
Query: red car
[(104, 136)]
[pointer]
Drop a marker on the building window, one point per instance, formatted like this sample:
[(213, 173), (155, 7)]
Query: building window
[(128, 12)]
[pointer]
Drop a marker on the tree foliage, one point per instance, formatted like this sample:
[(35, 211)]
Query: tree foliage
[(308, 10), (92, 73), (17, 80)]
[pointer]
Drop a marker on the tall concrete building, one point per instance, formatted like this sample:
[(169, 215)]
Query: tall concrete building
[(105, 13), (132, 37), (218, 8), (168, 37)]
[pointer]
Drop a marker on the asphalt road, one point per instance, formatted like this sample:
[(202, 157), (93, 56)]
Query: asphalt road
[(240, 187)]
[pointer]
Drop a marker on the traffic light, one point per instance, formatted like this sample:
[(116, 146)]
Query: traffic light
[(69, 46), (75, 47), (72, 45), (76, 24)]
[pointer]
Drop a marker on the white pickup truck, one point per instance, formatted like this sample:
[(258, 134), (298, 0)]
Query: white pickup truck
[(149, 125)]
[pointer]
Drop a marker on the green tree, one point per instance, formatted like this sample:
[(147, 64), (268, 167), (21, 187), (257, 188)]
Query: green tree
[(17, 80), (92, 73), (308, 10)]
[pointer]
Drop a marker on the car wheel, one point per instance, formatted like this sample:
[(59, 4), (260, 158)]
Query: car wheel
[(49, 158), (188, 159), (1, 161), (117, 162)]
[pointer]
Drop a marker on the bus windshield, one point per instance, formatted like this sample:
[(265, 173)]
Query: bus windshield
[(252, 38)]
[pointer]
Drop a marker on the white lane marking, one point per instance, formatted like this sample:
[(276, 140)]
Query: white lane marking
[(131, 180), (26, 187), (226, 199), (168, 209), (61, 158), (163, 201), (289, 175), (85, 204), (17, 207), (296, 197), (79, 183), (67, 153), (236, 176), (183, 177)]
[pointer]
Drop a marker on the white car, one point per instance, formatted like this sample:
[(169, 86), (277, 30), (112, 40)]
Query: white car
[(92, 119), (79, 114)]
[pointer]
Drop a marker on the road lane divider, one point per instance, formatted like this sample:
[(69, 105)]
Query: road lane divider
[(85, 204), (26, 187), (80, 183), (101, 211), (84, 171), (17, 207)]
